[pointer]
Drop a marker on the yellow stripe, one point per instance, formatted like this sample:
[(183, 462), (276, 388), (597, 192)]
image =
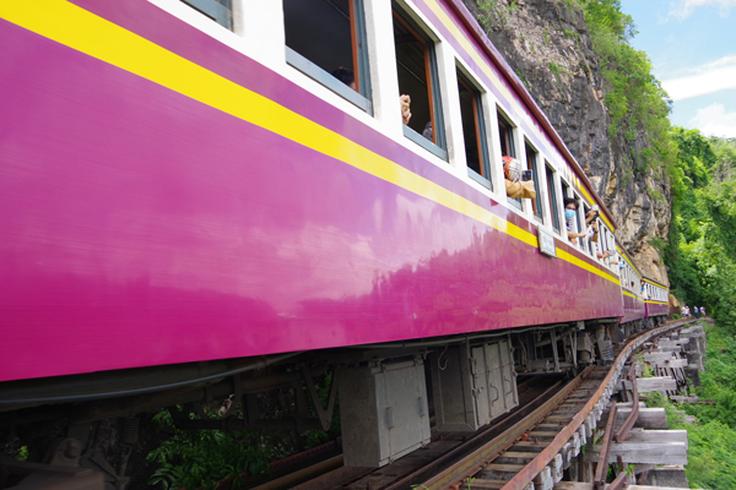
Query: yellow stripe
[(472, 51), (584, 191), (652, 302), (626, 258), (83, 31), (630, 295), (654, 283), (568, 257)]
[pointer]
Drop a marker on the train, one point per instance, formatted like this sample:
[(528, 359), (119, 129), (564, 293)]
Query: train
[(195, 190)]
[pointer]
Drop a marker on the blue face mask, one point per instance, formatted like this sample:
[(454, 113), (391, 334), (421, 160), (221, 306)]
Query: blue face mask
[(569, 214)]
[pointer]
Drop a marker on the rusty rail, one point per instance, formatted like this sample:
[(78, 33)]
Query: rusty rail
[(527, 474), (502, 425), (601, 469), (475, 461), (623, 433), (619, 483)]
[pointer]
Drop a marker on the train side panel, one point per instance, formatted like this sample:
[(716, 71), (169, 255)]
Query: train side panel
[(146, 226)]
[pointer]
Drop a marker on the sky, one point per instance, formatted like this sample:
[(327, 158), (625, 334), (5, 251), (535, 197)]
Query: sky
[(692, 46)]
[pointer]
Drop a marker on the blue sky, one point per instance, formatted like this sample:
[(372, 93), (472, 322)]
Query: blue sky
[(692, 46)]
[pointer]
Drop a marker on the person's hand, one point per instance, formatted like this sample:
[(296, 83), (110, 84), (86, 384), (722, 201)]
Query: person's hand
[(405, 101)]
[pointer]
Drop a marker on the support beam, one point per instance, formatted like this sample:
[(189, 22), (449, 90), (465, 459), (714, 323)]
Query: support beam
[(656, 383), (649, 418), (649, 447)]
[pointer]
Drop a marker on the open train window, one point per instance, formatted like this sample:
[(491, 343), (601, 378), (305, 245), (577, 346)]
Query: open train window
[(580, 220), (532, 164), (506, 136), (587, 245), (566, 193), (416, 66), (508, 148), (474, 130), (554, 209), (326, 40), (221, 11)]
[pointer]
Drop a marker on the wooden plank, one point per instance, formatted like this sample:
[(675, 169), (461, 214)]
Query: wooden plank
[(574, 485), (649, 418), (647, 487), (485, 484), (671, 435), (657, 383), (646, 452)]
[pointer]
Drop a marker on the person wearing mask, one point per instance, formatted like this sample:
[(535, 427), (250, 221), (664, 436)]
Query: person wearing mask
[(571, 211)]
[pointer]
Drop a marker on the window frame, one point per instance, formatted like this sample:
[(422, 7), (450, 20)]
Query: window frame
[(213, 10), (501, 117), (481, 131), (438, 147), (362, 97), (537, 202), (553, 200)]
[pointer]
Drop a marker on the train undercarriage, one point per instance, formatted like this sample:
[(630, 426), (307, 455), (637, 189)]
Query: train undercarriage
[(373, 403)]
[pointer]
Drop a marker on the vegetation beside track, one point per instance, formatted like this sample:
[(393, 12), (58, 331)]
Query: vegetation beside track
[(711, 428)]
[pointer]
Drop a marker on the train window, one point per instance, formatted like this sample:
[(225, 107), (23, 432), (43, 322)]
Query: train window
[(506, 135), (474, 130), (566, 193), (532, 165), (221, 11), (325, 39), (587, 244), (554, 210), (508, 149), (419, 89), (580, 222)]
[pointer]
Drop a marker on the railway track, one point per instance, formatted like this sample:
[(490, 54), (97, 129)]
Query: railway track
[(527, 449), (534, 453)]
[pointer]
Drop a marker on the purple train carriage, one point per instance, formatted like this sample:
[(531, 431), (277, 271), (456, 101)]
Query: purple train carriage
[(191, 189)]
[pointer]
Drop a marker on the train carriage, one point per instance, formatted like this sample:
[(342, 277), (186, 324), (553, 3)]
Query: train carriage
[(196, 181)]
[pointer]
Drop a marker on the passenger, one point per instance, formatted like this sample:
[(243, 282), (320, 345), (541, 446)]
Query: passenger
[(345, 76), (702, 311), (405, 101), (427, 133), (515, 187), (571, 206), (696, 312)]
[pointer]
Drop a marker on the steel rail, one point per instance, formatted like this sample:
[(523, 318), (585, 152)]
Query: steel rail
[(475, 461), (507, 421), (601, 468), (527, 474), (623, 433)]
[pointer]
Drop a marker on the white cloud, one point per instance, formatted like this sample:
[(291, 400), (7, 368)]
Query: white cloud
[(682, 9), (713, 120), (705, 79)]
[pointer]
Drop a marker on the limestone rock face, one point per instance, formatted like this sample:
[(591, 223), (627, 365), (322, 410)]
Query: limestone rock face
[(547, 44)]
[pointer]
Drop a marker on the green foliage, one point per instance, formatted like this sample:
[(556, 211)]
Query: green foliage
[(200, 459), (22, 454), (637, 105), (712, 436), (700, 256), (554, 68)]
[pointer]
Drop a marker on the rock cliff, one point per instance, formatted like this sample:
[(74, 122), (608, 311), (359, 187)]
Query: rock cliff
[(548, 44)]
